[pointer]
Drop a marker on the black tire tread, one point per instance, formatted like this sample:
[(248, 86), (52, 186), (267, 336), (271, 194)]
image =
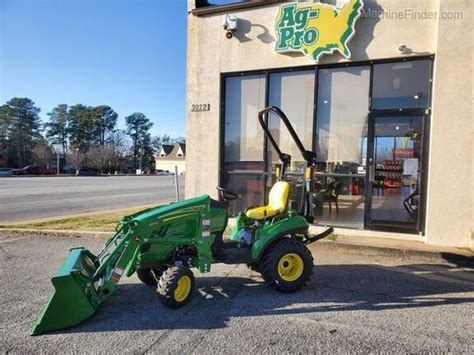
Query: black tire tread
[(150, 277), (167, 285), (273, 254)]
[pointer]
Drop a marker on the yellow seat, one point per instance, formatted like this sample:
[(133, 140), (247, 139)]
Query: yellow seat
[(277, 201)]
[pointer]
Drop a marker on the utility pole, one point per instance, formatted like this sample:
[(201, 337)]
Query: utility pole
[(176, 181), (57, 160)]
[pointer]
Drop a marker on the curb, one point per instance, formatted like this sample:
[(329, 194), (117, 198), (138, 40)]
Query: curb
[(464, 258), (454, 255)]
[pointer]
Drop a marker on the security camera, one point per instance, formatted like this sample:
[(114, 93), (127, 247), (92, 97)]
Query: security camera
[(230, 25)]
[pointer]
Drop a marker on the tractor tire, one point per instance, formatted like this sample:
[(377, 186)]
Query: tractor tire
[(286, 265), (150, 276), (176, 286)]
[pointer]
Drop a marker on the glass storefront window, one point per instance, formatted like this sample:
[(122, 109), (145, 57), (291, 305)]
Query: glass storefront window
[(244, 98), (349, 153), (402, 85), (243, 140), (293, 92), (341, 130)]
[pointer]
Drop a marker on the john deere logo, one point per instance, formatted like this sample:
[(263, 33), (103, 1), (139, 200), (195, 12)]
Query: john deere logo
[(317, 29)]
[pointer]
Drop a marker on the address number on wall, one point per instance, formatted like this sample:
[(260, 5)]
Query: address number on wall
[(200, 107)]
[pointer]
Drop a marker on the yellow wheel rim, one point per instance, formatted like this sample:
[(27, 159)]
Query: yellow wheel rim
[(290, 267), (183, 288)]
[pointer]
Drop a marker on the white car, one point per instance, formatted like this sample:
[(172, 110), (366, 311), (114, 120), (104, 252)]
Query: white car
[(160, 172)]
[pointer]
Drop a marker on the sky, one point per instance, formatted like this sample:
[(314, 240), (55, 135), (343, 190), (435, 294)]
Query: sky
[(128, 54)]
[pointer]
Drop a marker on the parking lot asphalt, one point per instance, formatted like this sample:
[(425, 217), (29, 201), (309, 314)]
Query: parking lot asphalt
[(356, 301), (27, 198)]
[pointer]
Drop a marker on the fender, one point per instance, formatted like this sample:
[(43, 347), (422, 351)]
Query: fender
[(268, 234)]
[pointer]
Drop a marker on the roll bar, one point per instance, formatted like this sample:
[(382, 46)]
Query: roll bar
[(308, 155)]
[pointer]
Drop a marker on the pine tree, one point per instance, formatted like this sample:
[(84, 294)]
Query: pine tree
[(57, 129), (138, 127), (20, 129)]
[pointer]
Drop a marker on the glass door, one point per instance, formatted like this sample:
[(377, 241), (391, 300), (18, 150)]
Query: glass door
[(395, 166)]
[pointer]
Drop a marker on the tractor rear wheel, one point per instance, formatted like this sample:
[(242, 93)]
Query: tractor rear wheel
[(150, 276), (176, 286), (287, 265)]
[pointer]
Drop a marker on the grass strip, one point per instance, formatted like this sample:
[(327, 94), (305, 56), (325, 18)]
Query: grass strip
[(100, 221)]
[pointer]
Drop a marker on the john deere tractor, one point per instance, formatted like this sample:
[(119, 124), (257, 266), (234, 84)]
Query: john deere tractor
[(164, 243)]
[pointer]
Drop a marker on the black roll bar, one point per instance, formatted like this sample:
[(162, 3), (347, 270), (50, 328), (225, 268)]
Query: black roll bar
[(308, 155)]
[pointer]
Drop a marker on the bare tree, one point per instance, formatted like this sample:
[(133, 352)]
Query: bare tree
[(77, 159), (42, 154), (102, 157), (121, 144)]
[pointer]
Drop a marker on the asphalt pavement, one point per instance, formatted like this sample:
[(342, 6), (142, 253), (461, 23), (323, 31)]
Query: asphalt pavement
[(29, 198), (356, 301)]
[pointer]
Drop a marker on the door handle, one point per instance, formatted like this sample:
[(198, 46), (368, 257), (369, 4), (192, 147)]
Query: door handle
[(371, 173)]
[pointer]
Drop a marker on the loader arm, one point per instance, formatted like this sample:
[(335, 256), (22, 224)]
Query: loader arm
[(85, 281)]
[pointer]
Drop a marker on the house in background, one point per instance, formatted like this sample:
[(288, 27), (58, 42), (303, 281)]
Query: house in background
[(171, 155)]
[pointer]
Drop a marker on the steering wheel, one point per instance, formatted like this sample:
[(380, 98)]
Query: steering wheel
[(227, 195)]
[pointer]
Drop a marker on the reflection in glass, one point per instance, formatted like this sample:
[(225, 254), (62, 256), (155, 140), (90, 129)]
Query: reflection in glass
[(402, 85), (342, 114), (244, 98), (243, 140), (294, 94)]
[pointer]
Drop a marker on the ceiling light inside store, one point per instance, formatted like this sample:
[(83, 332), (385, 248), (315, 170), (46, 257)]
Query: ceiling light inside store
[(325, 101)]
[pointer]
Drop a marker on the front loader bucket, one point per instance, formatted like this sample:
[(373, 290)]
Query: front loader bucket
[(70, 303)]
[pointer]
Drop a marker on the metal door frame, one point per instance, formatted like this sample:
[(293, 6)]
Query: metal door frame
[(370, 168)]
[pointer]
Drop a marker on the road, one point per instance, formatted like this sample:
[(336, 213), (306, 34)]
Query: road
[(28, 198), (357, 301)]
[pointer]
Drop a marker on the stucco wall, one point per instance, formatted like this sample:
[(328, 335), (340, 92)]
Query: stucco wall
[(450, 186), (210, 53)]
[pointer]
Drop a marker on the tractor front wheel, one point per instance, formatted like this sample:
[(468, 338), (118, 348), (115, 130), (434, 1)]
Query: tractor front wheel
[(150, 276), (176, 286), (287, 265)]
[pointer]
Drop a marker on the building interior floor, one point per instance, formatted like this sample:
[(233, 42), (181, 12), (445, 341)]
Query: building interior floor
[(387, 205)]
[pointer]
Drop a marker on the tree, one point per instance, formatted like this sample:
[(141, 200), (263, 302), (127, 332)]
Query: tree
[(147, 156), (102, 157), (77, 159), (138, 127), (121, 144), (4, 129), (20, 124), (42, 154), (159, 140), (180, 140), (81, 125), (104, 121), (57, 129)]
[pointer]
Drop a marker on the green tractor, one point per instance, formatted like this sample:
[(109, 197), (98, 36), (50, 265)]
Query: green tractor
[(162, 244)]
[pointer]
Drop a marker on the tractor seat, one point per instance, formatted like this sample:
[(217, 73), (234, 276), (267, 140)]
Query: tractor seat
[(278, 199)]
